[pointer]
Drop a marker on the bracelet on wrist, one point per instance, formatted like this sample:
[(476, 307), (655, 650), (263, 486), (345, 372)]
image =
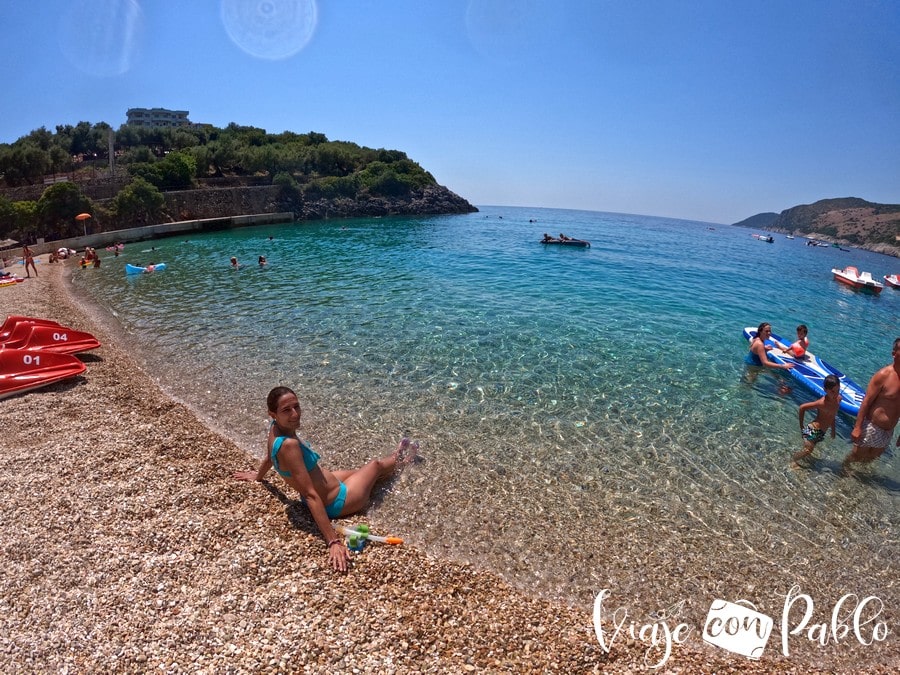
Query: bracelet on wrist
[(336, 540)]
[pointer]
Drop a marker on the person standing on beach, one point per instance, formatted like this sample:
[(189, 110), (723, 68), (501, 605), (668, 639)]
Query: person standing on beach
[(326, 494), (826, 412), (878, 414), (28, 259)]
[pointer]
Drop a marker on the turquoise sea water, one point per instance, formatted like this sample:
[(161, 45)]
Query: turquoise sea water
[(586, 415)]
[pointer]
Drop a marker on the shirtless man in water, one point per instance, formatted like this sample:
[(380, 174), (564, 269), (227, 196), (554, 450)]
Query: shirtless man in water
[(878, 414)]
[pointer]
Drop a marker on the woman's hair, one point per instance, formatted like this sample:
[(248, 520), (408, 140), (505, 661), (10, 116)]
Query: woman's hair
[(761, 326), (803, 329), (275, 396)]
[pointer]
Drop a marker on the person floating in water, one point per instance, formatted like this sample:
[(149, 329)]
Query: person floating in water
[(235, 265), (326, 494), (826, 413), (262, 261), (759, 349)]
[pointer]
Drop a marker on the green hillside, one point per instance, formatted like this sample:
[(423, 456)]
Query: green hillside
[(48, 177), (848, 220)]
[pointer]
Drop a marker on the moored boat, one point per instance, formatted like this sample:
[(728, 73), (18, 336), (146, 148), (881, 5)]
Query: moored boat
[(892, 280), (859, 281), (23, 370), (568, 241), (768, 238)]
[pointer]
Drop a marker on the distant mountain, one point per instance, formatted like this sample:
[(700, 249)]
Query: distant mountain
[(849, 220)]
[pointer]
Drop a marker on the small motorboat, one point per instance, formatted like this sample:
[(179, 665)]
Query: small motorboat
[(22, 370), (768, 238), (892, 280), (38, 337), (568, 241), (858, 281)]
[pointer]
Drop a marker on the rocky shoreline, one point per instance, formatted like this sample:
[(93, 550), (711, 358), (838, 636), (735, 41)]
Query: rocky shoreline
[(127, 547)]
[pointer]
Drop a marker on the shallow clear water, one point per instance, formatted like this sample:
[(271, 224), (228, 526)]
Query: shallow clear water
[(586, 415)]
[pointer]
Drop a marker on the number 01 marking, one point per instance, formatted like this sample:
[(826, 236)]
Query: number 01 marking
[(30, 359)]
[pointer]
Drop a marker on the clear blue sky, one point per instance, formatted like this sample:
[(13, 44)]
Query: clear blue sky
[(711, 110)]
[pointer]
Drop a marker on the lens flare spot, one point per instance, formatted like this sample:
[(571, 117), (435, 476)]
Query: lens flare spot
[(270, 29), (100, 37)]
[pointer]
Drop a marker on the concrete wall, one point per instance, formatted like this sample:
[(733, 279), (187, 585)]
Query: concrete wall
[(103, 239)]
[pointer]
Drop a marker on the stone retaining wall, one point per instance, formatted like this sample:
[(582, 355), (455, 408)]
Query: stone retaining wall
[(103, 239)]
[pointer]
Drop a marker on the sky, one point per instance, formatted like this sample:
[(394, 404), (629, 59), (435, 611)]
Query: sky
[(709, 110)]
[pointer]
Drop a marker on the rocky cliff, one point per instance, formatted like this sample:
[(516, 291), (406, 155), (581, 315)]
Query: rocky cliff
[(246, 200)]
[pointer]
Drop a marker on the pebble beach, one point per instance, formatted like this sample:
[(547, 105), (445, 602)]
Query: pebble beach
[(127, 547)]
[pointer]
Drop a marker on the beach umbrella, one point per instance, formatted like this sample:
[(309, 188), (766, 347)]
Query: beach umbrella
[(83, 218)]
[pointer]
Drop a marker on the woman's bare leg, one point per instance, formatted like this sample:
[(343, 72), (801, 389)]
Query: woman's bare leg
[(360, 482)]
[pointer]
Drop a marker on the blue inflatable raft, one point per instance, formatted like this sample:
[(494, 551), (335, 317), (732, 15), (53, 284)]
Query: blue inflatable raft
[(811, 372), (135, 269)]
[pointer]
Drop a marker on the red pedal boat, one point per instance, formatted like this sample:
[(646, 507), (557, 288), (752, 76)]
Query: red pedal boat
[(22, 370), (858, 281), (58, 339), (14, 319)]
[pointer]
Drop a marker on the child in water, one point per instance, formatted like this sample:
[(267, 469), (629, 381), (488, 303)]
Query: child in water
[(826, 411), (798, 348)]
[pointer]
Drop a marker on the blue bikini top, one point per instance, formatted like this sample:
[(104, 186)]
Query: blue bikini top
[(310, 457)]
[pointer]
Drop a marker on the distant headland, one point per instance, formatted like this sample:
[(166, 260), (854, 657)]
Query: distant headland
[(849, 220)]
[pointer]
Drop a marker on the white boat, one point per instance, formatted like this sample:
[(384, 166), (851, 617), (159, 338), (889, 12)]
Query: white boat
[(892, 280), (859, 281)]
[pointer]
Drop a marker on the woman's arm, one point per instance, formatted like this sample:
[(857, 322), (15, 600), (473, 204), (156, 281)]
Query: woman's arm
[(290, 457), (759, 348), (264, 466), (259, 474)]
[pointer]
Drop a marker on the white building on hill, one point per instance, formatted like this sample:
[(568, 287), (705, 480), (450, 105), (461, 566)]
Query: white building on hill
[(157, 117)]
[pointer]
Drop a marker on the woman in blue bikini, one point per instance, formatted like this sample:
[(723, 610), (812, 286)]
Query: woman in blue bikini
[(327, 494)]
